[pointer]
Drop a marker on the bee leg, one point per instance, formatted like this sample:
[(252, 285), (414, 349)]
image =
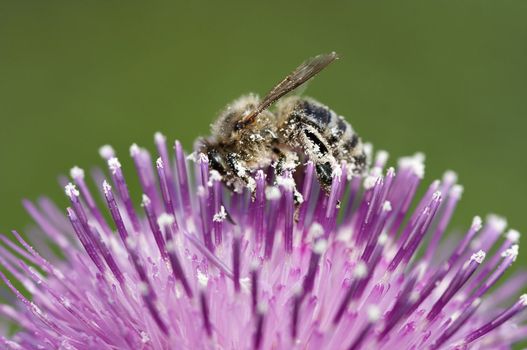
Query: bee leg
[(239, 174), (283, 163), (280, 162), (324, 175), (286, 160)]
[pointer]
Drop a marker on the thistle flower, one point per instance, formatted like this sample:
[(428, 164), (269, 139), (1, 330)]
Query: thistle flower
[(200, 267)]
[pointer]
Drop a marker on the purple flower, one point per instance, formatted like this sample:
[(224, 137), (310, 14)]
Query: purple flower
[(200, 267)]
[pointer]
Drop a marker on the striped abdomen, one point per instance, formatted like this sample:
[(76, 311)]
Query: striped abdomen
[(313, 126)]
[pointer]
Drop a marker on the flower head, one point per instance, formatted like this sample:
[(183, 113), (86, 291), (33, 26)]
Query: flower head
[(280, 265)]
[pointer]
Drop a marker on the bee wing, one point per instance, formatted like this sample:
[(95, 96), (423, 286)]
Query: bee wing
[(299, 76)]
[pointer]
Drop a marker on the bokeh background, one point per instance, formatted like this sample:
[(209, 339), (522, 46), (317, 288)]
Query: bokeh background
[(448, 78)]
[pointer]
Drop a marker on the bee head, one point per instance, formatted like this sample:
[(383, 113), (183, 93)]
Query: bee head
[(217, 157), (213, 150), (229, 122)]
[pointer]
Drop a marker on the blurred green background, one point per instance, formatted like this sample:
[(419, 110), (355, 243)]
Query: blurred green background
[(448, 78)]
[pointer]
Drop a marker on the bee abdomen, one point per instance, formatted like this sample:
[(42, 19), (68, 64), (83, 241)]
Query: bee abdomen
[(317, 114)]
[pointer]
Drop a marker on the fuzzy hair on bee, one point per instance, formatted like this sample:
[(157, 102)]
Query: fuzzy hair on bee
[(248, 136)]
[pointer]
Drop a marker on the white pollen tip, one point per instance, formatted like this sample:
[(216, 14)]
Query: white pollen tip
[(523, 299), (375, 171), (414, 163), (337, 172), (145, 200), (387, 206), (381, 157), (272, 193), (497, 222), (71, 191), (165, 219), (383, 238), (159, 137), (456, 191), (368, 149), (131, 242), (512, 252), (213, 177), (361, 270), (203, 279), (450, 177), (476, 223), (513, 236), (134, 150), (171, 246), (76, 173), (478, 257), (455, 315), (245, 284), (320, 246), (298, 197), (159, 163), (370, 181), (106, 187), (220, 216), (260, 175), (297, 289), (193, 157), (476, 302), (350, 168), (106, 152), (201, 191), (144, 337), (114, 165), (262, 307), (315, 231), (288, 183), (143, 288), (374, 313), (251, 184), (203, 158)]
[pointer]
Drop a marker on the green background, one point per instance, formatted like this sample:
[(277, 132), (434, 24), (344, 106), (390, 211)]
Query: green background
[(448, 78)]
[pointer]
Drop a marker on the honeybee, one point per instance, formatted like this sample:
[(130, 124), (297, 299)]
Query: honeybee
[(248, 136)]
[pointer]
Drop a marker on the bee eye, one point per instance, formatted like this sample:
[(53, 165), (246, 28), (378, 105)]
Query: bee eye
[(216, 161), (316, 141)]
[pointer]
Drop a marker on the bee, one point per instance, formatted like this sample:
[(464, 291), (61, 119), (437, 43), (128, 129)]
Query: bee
[(248, 135)]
